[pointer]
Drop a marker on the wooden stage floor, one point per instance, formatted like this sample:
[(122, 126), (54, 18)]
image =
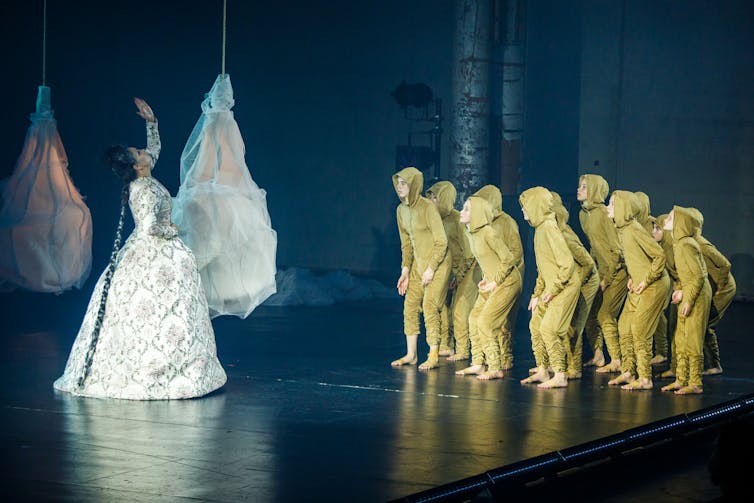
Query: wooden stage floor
[(312, 411)]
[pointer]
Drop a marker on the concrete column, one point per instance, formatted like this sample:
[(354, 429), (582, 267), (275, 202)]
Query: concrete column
[(470, 133)]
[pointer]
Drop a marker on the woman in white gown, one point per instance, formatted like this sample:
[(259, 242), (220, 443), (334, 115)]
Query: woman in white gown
[(146, 334)]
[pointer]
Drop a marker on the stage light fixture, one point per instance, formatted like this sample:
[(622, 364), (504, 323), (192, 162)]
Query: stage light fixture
[(412, 95)]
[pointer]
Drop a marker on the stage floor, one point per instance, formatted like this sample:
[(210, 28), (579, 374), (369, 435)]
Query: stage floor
[(312, 411)]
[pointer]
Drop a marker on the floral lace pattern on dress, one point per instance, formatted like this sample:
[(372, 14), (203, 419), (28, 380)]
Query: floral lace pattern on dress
[(156, 340)]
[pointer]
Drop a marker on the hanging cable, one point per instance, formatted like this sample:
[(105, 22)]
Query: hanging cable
[(44, 44), (225, 8)]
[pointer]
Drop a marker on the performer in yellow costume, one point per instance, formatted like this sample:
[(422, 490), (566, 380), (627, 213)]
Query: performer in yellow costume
[(694, 299), (648, 291), (590, 283), (660, 337), (665, 239), (462, 287), (556, 292), (425, 266), (507, 228), (498, 289), (604, 248), (723, 290)]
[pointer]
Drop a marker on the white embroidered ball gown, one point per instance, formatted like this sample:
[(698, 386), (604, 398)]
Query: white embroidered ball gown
[(156, 340)]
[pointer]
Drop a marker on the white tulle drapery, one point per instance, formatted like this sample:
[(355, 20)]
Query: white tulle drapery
[(222, 213), (45, 226)]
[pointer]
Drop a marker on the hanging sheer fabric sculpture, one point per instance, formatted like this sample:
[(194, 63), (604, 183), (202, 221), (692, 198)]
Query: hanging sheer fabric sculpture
[(45, 226), (222, 212)]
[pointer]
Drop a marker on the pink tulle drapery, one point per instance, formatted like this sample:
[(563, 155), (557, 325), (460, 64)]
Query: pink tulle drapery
[(45, 226)]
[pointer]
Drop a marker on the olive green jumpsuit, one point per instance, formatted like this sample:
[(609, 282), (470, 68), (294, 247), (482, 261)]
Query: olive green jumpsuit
[(590, 283), (424, 245), (507, 228), (697, 296), (455, 315), (490, 312), (604, 248), (645, 262), (557, 276)]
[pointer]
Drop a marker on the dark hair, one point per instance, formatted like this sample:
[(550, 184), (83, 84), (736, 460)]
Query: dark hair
[(122, 163)]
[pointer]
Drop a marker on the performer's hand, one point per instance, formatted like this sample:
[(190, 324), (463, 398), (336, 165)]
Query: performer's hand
[(640, 287), (427, 276), (630, 285), (547, 297), (603, 285), (686, 309), (144, 110), (489, 286), (403, 283), (533, 303), (677, 296)]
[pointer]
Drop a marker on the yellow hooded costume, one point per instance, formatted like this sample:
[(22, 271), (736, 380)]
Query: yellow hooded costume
[(644, 212), (557, 277), (507, 229), (723, 291), (666, 243), (604, 248), (647, 221), (424, 247), (455, 317), (697, 296), (650, 287), (490, 312), (589, 285)]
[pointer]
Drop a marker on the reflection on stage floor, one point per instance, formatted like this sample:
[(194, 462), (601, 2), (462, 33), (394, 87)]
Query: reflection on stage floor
[(312, 411)]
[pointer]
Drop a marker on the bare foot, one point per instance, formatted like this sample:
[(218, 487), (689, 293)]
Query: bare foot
[(658, 359), (404, 360), (598, 360), (610, 368), (457, 357), (534, 370), (689, 390), (675, 385), (573, 374), (641, 383), (445, 352), (668, 374), (713, 371), (559, 380), (491, 374), (624, 378), (473, 370), (541, 375), (431, 363)]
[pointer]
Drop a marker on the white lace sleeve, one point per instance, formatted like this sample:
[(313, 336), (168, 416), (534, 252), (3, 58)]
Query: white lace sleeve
[(153, 141)]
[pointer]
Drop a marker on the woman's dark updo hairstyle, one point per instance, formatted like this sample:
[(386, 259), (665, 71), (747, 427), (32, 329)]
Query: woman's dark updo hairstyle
[(121, 161)]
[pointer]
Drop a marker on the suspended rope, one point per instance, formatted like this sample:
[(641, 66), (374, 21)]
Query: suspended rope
[(222, 212), (225, 10), (44, 45)]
